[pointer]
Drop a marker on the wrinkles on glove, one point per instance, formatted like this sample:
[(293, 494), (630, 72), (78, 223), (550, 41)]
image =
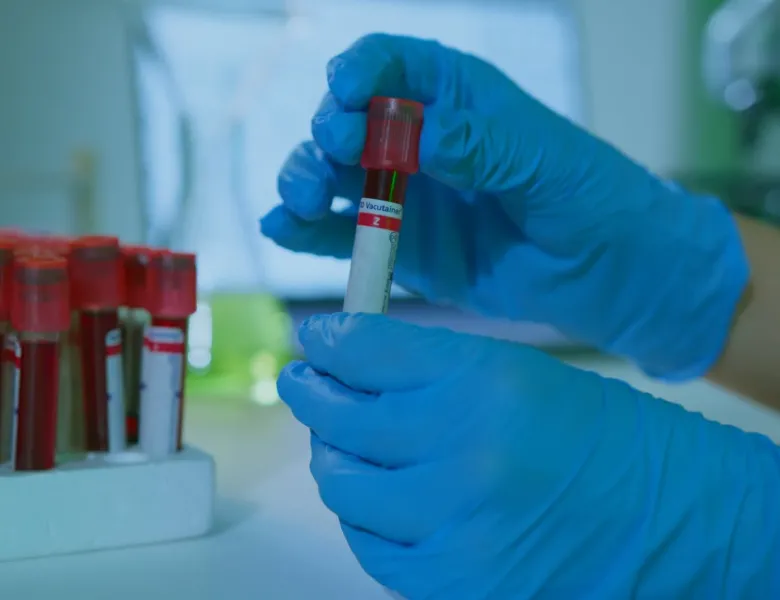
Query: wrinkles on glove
[(519, 214), (465, 467)]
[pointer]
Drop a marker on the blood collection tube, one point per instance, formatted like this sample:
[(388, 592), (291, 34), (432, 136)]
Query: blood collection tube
[(39, 317), (97, 291), (390, 155), (70, 412), (7, 356), (6, 265), (172, 288), (24, 246), (135, 318)]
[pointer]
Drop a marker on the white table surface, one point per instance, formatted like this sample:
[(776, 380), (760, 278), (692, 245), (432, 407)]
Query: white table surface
[(273, 538)]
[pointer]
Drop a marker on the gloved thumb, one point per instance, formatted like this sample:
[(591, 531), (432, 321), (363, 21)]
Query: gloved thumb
[(470, 151)]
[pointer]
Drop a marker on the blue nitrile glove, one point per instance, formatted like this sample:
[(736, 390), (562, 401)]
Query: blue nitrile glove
[(467, 467), (518, 213)]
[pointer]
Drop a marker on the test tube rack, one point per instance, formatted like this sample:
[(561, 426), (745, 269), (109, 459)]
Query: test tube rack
[(61, 304), (106, 501)]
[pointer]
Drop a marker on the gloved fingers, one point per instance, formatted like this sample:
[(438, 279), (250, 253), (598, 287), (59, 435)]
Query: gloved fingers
[(404, 570), (309, 181), (382, 560), (364, 425), (462, 149), (340, 134), (405, 505), (332, 235), (385, 65), (374, 353), (466, 150)]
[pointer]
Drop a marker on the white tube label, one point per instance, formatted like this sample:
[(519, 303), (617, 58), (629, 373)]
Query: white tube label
[(9, 404), (162, 363), (373, 256), (115, 392)]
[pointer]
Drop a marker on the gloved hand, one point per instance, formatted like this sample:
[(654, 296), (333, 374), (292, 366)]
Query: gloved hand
[(518, 213), (466, 467)]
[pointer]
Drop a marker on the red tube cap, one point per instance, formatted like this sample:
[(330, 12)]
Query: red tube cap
[(12, 233), (59, 244), (39, 300), (43, 246), (393, 135), (6, 278), (97, 276), (137, 260), (172, 285)]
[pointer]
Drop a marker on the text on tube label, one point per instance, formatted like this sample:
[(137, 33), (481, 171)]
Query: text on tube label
[(373, 257), (380, 214)]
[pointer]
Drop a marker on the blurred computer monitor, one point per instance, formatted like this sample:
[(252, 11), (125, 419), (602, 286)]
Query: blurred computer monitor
[(246, 87)]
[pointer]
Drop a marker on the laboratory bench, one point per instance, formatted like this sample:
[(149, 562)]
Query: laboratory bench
[(272, 538)]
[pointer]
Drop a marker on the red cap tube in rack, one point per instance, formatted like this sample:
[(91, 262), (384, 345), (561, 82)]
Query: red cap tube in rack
[(172, 287), (42, 246), (40, 315), (390, 155), (97, 280), (135, 318), (6, 356)]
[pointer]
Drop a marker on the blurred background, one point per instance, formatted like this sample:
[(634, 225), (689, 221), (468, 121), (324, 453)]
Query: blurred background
[(165, 122)]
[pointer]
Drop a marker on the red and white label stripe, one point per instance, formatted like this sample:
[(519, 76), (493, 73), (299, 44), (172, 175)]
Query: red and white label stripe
[(380, 214), (163, 347), (12, 352), (114, 343)]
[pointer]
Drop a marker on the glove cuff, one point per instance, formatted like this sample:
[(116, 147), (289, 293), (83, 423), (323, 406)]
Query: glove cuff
[(687, 326)]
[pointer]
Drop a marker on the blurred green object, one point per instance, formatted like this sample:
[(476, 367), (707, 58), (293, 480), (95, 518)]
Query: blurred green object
[(237, 345)]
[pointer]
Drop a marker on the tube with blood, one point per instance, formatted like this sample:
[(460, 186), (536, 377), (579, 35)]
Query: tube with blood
[(135, 318), (7, 356), (390, 155), (67, 423), (40, 315), (97, 281), (70, 411), (172, 299)]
